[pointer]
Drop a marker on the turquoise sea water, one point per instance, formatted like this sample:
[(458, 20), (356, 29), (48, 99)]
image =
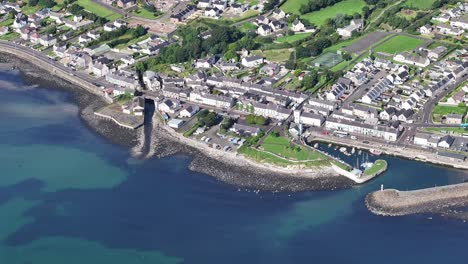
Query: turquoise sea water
[(69, 196)]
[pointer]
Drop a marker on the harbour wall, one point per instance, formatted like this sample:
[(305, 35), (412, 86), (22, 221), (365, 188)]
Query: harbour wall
[(393, 202)]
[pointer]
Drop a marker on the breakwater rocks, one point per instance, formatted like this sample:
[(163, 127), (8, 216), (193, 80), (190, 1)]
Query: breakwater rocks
[(442, 199), (235, 170)]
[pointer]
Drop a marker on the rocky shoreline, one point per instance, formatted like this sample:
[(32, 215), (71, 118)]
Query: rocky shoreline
[(235, 171)]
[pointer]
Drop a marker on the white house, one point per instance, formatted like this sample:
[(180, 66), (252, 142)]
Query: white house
[(354, 25), (252, 61), (189, 111)]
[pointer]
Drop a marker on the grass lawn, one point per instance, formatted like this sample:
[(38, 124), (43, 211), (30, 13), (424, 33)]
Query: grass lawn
[(144, 13), (7, 22), (292, 6), (9, 36), (378, 166), (399, 44), (28, 10), (347, 7), (292, 38), (282, 147), (445, 110), (420, 4), (247, 27), (132, 41), (277, 55), (98, 10)]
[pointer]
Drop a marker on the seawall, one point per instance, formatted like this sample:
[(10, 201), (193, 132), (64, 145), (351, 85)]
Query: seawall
[(54, 68), (393, 202)]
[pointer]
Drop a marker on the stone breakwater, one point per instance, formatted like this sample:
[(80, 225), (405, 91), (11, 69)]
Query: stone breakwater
[(392, 202)]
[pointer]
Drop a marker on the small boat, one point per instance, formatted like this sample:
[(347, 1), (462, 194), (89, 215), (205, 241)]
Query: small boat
[(316, 145), (367, 165), (359, 152), (329, 145), (347, 153), (375, 152), (353, 150), (343, 149), (336, 148)]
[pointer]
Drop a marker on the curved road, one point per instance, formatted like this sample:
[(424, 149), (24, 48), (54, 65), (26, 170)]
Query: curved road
[(25, 52)]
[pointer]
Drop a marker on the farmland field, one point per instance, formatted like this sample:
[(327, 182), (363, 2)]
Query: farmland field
[(347, 7), (420, 4), (292, 6), (399, 44)]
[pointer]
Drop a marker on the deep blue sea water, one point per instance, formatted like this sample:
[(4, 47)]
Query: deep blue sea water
[(69, 196)]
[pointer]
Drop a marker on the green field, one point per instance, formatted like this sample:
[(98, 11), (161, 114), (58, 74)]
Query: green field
[(399, 44), (98, 10), (347, 7), (278, 151), (277, 55), (144, 13), (248, 26), (9, 36), (293, 38), (420, 4), (445, 110), (292, 6), (377, 167)]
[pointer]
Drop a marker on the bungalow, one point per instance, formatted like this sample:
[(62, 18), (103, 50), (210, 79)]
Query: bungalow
[(220, 5), (448, 30), (436, 53)]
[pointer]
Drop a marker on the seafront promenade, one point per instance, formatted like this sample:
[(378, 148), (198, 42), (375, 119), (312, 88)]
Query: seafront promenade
[(40, 60)]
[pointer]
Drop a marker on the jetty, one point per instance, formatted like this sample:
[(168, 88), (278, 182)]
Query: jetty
[(392, 202)]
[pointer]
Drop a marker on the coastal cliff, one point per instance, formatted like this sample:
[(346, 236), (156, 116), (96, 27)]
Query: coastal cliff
[(393, 202)]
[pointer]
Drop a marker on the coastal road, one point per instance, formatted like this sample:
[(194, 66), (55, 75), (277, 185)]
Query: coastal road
[(46, 61)]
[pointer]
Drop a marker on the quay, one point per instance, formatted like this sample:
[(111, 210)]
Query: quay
[(121, 119), (393, 202)]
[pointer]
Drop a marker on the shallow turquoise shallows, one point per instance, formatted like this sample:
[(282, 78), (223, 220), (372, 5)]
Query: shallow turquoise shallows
[(69, 196)]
